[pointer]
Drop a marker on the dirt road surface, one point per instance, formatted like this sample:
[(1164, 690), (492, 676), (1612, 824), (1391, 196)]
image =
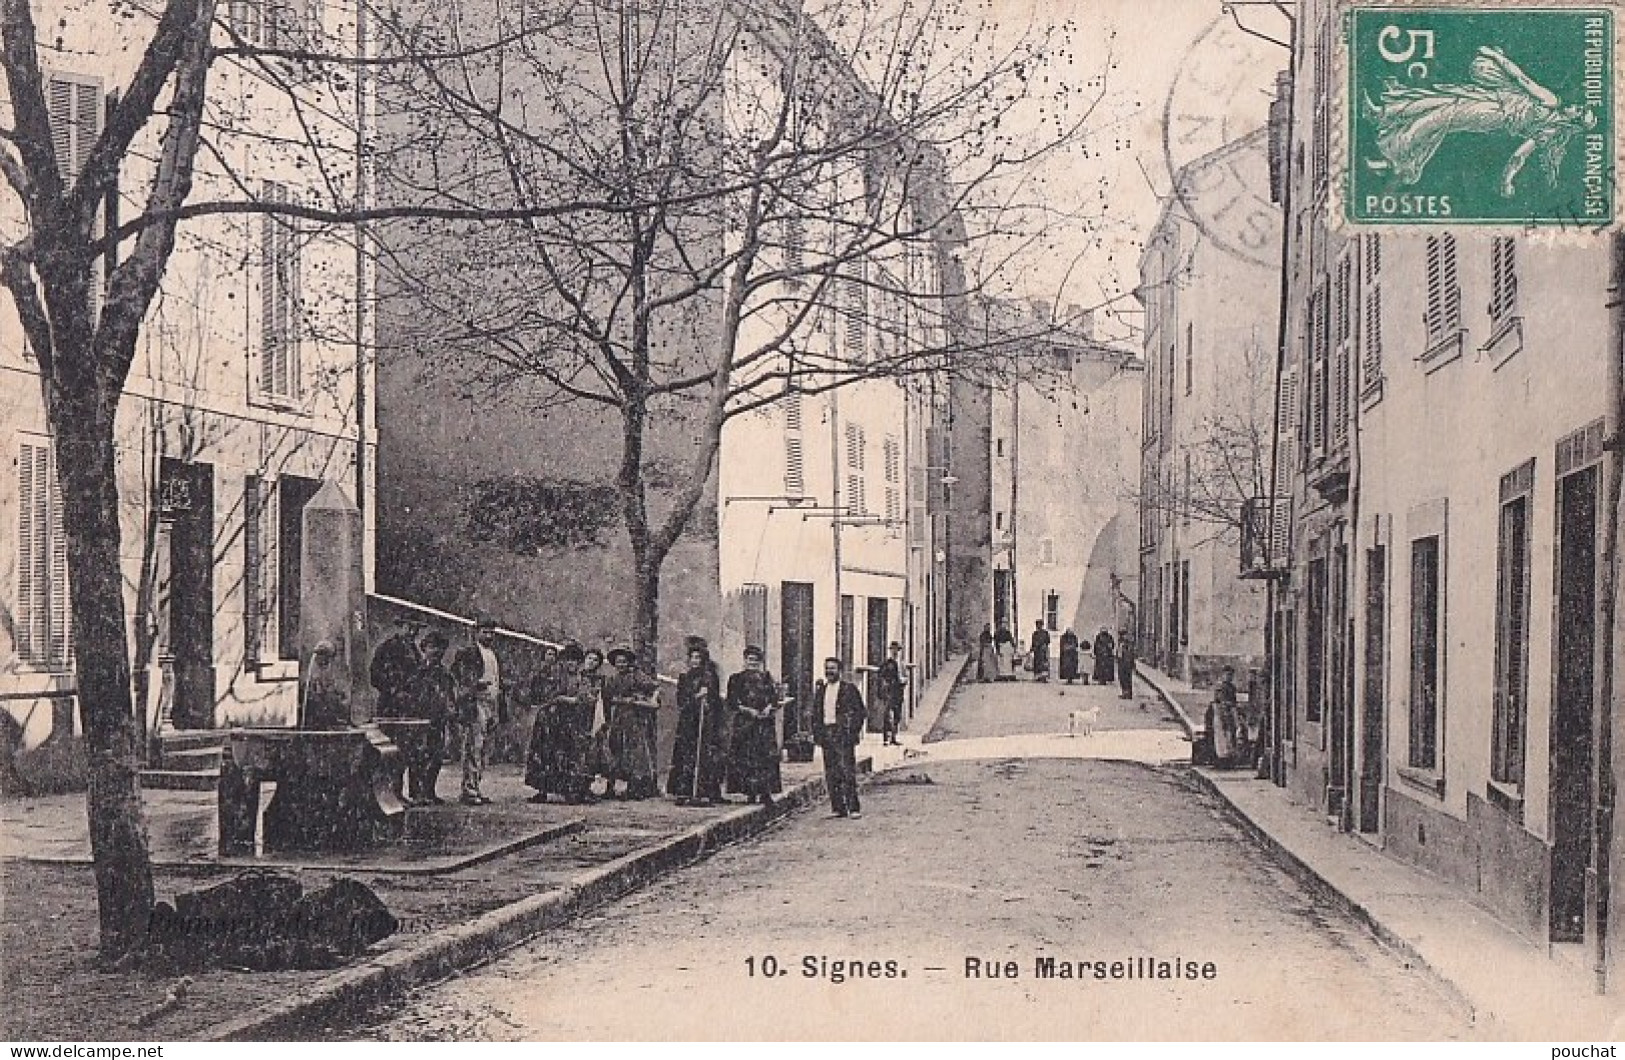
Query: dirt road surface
[(1004, 845)]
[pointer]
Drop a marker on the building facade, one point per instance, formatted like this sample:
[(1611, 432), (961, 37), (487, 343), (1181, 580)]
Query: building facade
[(249, 391), (1065, 441), (1438, 625), (1210, 334)]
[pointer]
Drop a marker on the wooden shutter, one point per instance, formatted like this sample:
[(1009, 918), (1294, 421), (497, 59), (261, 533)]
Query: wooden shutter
[(1342, 352), (855, 308), (894, 478), (856, 502), (43, 619), (1503, 280), (795, 458), (280, 369), (1371, 314), (77, 109)]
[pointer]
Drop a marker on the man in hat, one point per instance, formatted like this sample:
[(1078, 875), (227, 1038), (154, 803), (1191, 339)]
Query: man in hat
[(434, 695), (394, 667), (889, 687), (838, 719), (753, 751), (479, 703)]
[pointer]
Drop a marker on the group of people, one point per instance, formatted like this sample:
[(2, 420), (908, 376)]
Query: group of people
[(1234, 731), (594, 722), (1113, 658)]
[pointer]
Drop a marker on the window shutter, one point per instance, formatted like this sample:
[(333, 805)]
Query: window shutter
[(43, 617), (893, 471), (59, 647), (1371, 352), (280, 368), (856, 502), (795, 466), (1452, 289), (1503, 280), (1433, 317), (855, 308)]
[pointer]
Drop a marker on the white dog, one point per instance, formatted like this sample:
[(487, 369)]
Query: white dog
[(1082, 722)]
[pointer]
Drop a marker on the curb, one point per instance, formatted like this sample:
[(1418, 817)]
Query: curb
[(1339, 899), (463, 946), (1307, 874), (1173, 704)]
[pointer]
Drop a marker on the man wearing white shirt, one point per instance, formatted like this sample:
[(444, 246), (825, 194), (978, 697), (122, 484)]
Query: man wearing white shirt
[(838, 720)]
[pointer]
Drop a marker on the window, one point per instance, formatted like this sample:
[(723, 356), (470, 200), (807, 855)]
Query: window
[(1443, 314), (42, 629), (288, 24), (293, 493), (795, 457), (998, 447), (1174, 616), (1426, 612), (76, 108), (1046, 551), (998, 520), (753, 607), (1503, 280), (1318, 392), (280, 375), (1052, 611), (856, 503), (1342, 357), (1320, 150), (894, 480), (1315, 642), (855, 309), (1371, 316), (1512, 627)]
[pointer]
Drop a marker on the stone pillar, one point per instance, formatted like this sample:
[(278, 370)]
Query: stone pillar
[(332, 597)]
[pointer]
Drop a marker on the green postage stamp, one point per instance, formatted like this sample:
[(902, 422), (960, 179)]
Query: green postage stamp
[(1481, 115)]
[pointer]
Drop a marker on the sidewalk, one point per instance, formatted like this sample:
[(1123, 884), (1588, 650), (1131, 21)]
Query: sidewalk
[(489, 898), (1514, 987)]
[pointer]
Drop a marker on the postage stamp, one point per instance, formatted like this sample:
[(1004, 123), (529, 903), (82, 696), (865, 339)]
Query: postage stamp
[(1498, 116)]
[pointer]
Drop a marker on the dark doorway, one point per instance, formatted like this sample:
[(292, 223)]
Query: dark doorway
[(876, 627), (1337, 682), (1572, 706), (293, 493), (1003, 588), (796, 654), (845, 645), (1373, 721), (186, 499)]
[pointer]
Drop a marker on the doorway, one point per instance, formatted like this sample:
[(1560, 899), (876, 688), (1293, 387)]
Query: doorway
[(875, 629), (186, 503), (1571, 748), (796, 654), (1373, 721)]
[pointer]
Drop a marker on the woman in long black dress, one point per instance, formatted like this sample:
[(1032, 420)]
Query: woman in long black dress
[(630, 699), (1105, 658), (1069, 656), (753, 749), (697, 754), (557, 761)]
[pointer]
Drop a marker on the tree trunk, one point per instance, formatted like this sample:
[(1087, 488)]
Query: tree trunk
[(646, 609), (82, 419)]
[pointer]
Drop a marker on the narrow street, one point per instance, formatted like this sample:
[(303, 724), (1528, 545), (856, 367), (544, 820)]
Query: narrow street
[(991, 860)]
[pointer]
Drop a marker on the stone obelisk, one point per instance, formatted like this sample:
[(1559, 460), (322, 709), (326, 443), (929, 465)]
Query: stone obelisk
[(333, 602)]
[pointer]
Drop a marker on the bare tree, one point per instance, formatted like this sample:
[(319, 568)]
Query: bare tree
[(814, 194), (1221, 460)]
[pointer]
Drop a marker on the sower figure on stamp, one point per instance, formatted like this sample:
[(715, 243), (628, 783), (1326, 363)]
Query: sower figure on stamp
[(838, 720), (479, 704), (889, 685), (753, 749)]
